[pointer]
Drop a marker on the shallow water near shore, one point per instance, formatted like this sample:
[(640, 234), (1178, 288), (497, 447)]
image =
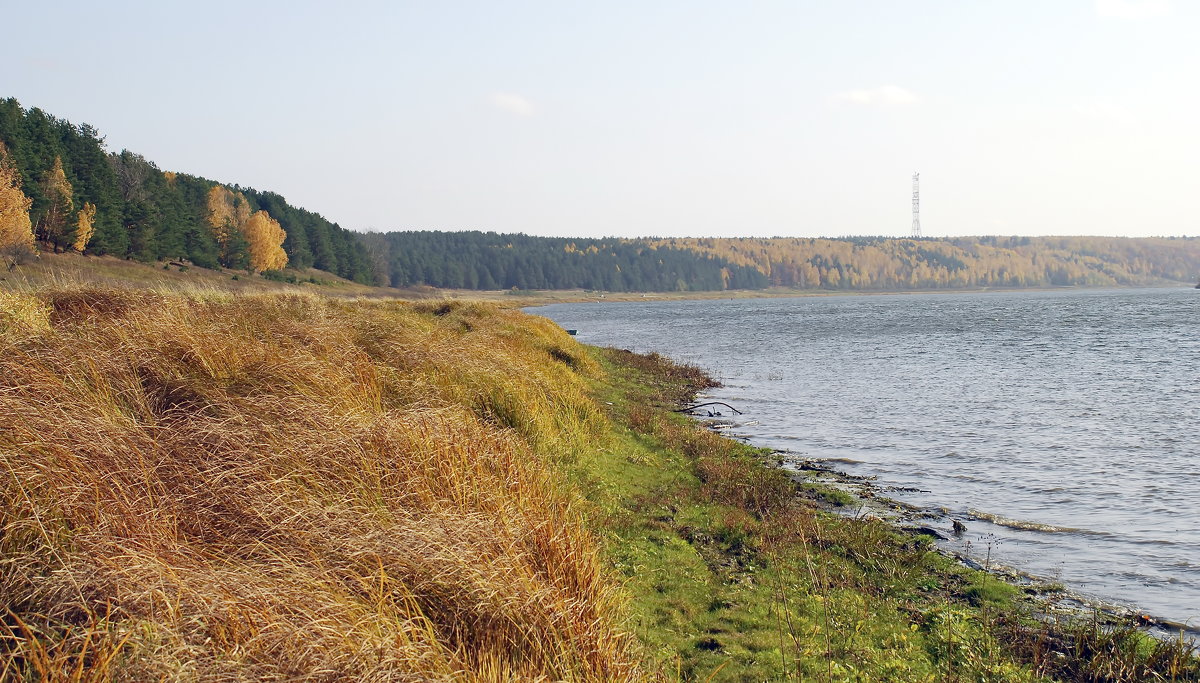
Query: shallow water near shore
[(1062, 427)]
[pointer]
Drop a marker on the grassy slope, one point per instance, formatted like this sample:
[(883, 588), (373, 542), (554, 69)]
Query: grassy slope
[(283, 486), (219, 486), (74, 270)]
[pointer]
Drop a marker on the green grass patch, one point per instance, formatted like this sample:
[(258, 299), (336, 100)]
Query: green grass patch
[(733, 572)]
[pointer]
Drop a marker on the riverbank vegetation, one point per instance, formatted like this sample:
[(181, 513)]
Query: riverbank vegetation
[(779, 588), (216, 486)]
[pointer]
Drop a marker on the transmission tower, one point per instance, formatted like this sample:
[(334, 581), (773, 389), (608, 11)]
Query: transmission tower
[(916, 229)]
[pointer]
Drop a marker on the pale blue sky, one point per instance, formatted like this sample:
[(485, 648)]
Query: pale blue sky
[(649, 118)]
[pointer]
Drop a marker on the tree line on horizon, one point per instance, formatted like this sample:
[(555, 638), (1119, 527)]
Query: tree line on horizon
[(479, 260), (60, 187), (887, 263), (489, 260)]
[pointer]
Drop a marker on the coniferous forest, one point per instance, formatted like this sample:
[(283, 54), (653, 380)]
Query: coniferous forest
[(61, 189), (84, 198), (478, 260)]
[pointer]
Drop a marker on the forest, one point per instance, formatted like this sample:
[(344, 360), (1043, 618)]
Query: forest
[(477, 260), (884, 263), (60, 186), (61, 190), (487, 260)]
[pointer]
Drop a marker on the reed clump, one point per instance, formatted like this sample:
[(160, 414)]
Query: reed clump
[(294, 487)]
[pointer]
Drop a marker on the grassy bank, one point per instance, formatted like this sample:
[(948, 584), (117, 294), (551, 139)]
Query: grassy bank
[(285, 486), (291, 487), (739, 568)]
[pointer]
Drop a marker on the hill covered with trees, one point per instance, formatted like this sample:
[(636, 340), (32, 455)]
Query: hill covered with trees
[(59, 184), (477, 260), (61, 188), (882, 263)]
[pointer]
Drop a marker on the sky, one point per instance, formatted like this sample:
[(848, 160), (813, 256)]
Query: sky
[(668, 118)]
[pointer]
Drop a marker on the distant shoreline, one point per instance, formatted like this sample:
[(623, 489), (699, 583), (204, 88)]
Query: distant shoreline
[(53, 270), (546, 297)]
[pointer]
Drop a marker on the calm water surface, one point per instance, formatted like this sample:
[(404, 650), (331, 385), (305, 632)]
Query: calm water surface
[(1071, 419)]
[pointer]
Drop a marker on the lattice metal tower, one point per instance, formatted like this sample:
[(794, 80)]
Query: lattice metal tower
[(916, 229)]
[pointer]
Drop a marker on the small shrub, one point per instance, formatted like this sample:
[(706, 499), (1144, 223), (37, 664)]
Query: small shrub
[(644, 420), (746, 484), (279, 276), (15, 255)]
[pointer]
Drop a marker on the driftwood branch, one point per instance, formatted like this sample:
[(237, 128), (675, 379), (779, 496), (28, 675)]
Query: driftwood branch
[(709, 403)]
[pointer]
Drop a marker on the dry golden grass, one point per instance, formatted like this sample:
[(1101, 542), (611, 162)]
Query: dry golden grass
[(73, 271), (279, 487)]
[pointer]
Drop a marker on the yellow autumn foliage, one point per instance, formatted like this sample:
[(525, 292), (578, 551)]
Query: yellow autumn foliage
[(265, 238), (55, 224), (227, 213), (897, 263), (85, 227), (16, 231)]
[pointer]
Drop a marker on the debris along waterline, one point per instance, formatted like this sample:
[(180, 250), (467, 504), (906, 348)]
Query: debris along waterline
[(1056, 599)]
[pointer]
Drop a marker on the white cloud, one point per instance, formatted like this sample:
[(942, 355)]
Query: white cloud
[(884, 96), (1132, 9), (513, 104)]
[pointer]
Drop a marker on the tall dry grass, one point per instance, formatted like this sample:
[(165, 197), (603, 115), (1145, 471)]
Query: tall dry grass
[(292, 487)]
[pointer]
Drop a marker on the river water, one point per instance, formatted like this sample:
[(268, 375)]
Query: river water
[(1063, 427)]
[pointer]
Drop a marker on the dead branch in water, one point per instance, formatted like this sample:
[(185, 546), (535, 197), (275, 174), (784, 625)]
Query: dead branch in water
[(689, 409)]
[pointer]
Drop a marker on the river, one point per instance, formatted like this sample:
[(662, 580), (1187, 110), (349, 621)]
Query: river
[(1062, 426)]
